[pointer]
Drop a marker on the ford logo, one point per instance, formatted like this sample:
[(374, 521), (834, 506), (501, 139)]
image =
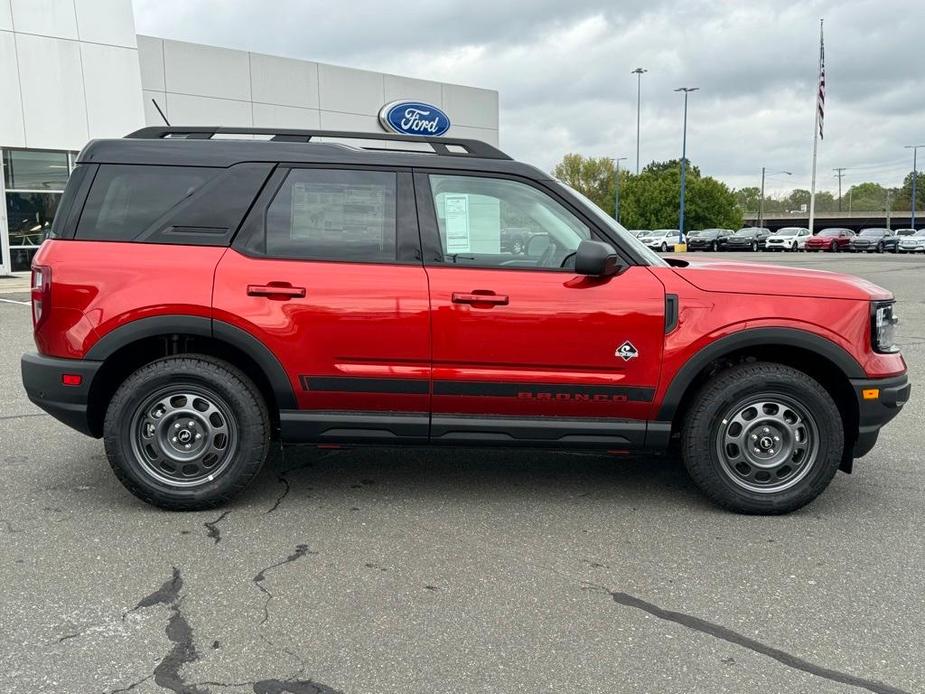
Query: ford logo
[(414, 118)]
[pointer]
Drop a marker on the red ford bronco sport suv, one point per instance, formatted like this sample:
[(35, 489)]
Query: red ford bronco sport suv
[(200, 296)]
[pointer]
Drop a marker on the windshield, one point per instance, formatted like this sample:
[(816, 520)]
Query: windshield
[(788, 231), (746, 232), (706, 233), (920, 233), (905, 232), (618, 230), (873, 232), (829, 232)]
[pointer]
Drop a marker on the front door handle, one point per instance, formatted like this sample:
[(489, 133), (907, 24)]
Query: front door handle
[(277, 290), (480, 297)]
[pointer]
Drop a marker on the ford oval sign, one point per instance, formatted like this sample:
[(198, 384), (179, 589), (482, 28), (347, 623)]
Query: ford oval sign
[(414, 118)]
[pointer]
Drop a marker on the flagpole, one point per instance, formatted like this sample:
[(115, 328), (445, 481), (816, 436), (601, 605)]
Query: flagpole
[(812, 188)]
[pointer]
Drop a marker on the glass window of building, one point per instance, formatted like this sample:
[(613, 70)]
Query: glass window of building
[(33, 181)]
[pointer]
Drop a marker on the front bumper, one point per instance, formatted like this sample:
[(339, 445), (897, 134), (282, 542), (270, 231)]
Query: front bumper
[(875, 411), (42, 379)]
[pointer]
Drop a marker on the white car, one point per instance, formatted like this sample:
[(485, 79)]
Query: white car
[(912, 243), (787, 239), (661, 239)]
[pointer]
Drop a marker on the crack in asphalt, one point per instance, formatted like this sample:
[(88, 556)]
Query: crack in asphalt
[(735, 638), (23, 416), (300, 551), (131, 686), (279, 499), (212, 527)]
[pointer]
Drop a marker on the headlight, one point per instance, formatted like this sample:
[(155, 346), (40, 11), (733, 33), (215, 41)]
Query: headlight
[(883, 328)]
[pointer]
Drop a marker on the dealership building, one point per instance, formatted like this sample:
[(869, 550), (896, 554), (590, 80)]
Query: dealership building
[(74, 70)]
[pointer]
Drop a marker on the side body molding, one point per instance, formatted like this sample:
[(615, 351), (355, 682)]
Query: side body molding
[(204, 327), (754, 337)]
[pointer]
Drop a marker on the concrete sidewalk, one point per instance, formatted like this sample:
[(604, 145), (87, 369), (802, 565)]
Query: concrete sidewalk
[(14, 284)]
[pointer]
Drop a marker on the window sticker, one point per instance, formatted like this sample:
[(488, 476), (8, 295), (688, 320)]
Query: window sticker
[(456, 219)]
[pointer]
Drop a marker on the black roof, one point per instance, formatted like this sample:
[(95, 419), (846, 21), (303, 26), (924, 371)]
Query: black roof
[(197, 146)]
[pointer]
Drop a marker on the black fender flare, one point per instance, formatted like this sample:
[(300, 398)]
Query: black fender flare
[(754, 337), (154, 326)]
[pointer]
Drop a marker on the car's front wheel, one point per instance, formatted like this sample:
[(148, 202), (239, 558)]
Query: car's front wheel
[(762, 438), (664, 247), (187, 432)]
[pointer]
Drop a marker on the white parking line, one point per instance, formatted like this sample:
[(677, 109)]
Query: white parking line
[(13, 301)]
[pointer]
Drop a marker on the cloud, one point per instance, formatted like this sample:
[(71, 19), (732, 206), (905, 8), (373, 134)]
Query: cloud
[(563, 71)]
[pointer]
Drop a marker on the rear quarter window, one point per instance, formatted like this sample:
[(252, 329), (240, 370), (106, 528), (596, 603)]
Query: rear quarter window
[(126, 200)]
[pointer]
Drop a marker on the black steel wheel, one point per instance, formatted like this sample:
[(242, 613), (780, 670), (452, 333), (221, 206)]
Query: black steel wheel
[(187, 432), (762, 438)]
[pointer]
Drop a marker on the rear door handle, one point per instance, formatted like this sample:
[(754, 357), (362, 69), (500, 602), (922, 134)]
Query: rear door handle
[(280, 290), (480, 296)]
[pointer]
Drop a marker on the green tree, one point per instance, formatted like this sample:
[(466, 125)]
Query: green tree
[(903, 199), (747, 199), (593, 177), (867, 197)]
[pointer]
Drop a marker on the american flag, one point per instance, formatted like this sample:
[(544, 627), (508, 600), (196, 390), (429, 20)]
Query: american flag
[(820, 101)]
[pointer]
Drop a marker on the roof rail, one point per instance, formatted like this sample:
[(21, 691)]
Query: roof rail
[(444, 146)]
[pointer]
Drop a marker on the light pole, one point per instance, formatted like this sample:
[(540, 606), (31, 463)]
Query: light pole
[(686, 90), (761, 198), (616, 195), (915, 151), (638, 72)]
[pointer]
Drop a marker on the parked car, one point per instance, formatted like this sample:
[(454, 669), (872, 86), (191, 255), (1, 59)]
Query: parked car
[(912, 243), (874, 240), (639, 232), (708, 239), (747, 239), (788, 239), (514, 240), (661, 239), (831, 239), (198, 299)]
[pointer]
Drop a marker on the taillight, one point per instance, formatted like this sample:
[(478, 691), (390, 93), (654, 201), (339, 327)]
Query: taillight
[(41, 292)]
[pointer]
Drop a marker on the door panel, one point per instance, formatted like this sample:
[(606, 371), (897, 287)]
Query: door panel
[(357, 340), (551, 349)]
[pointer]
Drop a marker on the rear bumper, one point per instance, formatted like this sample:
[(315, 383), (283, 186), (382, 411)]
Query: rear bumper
[(41, 377), (875, 412)]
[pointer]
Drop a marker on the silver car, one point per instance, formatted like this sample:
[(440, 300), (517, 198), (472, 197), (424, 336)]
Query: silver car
[(912, 243)]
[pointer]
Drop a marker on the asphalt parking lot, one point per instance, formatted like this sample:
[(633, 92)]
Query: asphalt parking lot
[(377, 570)]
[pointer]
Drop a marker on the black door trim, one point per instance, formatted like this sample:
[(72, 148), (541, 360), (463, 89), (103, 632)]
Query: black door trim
[(544, 391), (311, 426)]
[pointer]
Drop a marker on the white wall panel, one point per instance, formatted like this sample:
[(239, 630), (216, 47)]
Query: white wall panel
[(200, 110), (484, 134), (152, 117), (350, 91), (12, 133), (206, 71), (283, 81), (6, 16), (273, 116), (106, 21), (54, 108), (112, 83), (45, 17), (472, 107), (151, 61), (333, 120), (407, 88)]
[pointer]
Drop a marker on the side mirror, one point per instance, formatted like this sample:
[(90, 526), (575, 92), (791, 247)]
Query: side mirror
[(596, 258)]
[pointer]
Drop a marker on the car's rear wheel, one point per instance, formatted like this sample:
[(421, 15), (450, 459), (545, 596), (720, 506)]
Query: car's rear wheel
[(187, 432), (762, 438)]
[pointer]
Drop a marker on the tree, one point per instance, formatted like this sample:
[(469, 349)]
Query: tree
[(903, 199), (593, 177), (747, 199), (868, 197)]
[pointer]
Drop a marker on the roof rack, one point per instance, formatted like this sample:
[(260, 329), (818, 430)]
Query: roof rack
[(444, 146)]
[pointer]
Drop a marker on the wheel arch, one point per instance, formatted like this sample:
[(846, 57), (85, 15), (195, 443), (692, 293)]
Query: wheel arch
[(818, 357), (134, 344)]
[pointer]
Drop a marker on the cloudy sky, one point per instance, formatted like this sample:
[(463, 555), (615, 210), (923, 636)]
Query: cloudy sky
[(563, 71)]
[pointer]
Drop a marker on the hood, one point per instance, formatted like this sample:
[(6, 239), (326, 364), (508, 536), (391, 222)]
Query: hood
[(776, 280)]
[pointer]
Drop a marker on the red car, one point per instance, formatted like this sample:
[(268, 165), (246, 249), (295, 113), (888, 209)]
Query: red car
[(200, 298), (833, 240)]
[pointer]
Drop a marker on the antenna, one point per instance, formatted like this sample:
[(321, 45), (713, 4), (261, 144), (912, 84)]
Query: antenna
[(166, 122)]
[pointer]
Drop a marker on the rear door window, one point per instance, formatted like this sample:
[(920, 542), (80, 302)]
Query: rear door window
[(126, 200)]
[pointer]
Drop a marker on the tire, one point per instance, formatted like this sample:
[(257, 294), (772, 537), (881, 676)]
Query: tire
[(795, 478), (713, 246), (754, 247), (212, 402), (664, 248), (880, 247), (834, 247)]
